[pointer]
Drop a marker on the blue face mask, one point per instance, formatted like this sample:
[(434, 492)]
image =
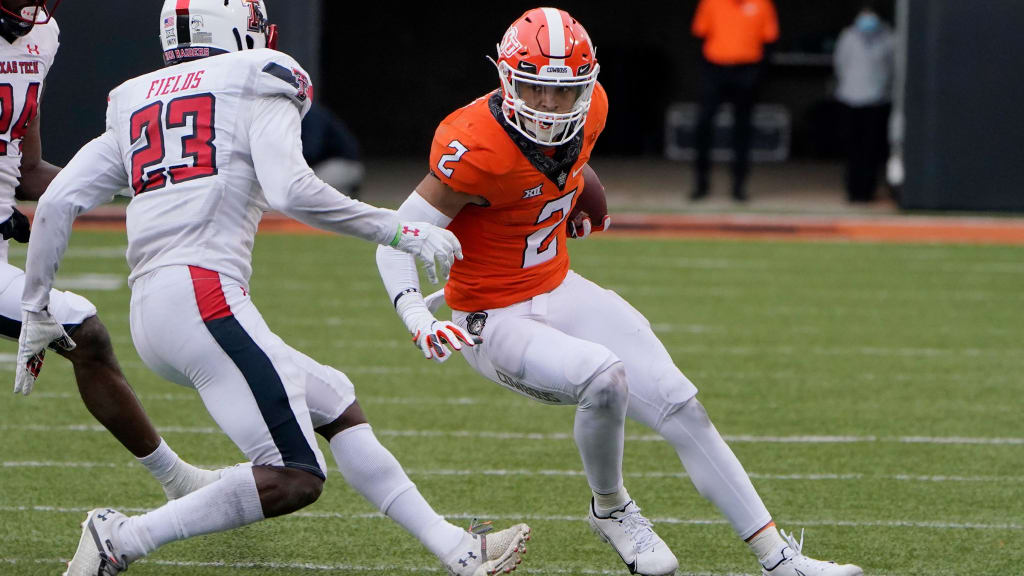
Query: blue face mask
[(867, 22)]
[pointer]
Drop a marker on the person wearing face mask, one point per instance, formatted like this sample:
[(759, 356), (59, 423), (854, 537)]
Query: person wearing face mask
[(863, 62)]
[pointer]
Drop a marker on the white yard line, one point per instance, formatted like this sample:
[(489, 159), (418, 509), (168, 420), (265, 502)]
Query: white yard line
[(526, 568), (104, 253), (189, 397), (99, 282), (490, 435), (582, 518), (938, 479)]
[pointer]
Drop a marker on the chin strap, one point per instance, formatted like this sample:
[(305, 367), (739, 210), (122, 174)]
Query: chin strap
[(272, 36), (11, 32)]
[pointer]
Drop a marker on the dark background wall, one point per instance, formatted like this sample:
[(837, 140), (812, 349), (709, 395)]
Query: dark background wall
[(965, 124), (393, 75), (394, 72)]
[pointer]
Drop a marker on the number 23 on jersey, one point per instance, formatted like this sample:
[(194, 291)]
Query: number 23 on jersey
[(151, 166)]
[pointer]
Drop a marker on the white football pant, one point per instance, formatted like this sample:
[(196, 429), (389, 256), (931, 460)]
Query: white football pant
[(68, 308), (550, 347), (197, 328)]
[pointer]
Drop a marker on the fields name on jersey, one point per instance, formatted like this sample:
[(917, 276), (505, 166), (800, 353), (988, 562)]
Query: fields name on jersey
[(176, 83), (18, 67)]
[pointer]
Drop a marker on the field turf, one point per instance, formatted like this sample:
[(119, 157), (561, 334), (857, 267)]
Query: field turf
[(873, 391)]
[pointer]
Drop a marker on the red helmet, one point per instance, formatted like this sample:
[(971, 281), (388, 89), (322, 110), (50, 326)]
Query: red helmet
[(547, 50), (18, 18)]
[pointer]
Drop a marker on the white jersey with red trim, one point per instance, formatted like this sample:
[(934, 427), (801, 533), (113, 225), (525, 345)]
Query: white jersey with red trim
[(177, 129), (205, 146), (23, 67)]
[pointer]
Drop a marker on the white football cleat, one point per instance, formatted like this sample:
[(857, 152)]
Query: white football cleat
[(482, 553), (96, 554), (633, 537), (794, 563)]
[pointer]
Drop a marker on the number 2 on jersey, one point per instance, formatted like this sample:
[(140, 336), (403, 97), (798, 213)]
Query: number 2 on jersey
[(542, 245), (151, 122), (442, 162)]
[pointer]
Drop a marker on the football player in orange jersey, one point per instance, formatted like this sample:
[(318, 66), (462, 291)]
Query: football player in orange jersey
[(505, 172)]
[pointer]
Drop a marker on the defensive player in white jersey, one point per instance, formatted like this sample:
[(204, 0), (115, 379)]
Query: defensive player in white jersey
[(27, 50), (208, 144)]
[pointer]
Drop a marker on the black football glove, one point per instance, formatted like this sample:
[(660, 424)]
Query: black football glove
[(16, 227)]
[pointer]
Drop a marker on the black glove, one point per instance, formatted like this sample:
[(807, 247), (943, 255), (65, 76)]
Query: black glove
[(16, 227)]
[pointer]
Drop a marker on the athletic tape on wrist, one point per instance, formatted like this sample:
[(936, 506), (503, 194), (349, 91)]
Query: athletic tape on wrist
[(398, 236)]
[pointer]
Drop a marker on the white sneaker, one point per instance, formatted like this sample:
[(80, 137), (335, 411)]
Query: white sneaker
[(483, 554), (96, 554), (794, 563), (632, 536), (188, 479)]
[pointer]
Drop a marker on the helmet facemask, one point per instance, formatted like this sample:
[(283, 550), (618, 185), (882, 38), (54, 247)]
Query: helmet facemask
[(18, 20), (548, 106)]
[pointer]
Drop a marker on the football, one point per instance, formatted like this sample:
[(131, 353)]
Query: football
[(591, 203)]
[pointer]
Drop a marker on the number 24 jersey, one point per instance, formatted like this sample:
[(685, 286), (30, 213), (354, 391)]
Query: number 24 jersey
[(23, 67)]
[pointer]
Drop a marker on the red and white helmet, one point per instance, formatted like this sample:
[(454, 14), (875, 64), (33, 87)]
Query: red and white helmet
[(192, 29), (547, 47)]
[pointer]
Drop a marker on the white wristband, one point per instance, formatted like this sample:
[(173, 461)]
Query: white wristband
[(412, 309)]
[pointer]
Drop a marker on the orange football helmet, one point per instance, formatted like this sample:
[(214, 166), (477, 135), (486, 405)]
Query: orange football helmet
[(547, 53)]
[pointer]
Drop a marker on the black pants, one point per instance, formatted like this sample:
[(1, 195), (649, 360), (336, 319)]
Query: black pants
[(737, 84), (865, 135)]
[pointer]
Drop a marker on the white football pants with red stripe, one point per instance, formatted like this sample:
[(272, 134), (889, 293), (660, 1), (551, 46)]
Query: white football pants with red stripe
[(198, 328)]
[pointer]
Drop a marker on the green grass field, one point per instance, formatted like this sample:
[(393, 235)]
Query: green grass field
[(874, 392)]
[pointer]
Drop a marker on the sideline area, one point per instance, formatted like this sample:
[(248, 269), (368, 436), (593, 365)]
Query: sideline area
[(648, 197)]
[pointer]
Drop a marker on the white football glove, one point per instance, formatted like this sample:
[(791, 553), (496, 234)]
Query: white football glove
[(434, 338), (436, 247), (38, 330)]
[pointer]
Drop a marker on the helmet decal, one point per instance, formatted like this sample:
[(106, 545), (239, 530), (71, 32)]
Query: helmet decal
[(257, 21), (510, 43)]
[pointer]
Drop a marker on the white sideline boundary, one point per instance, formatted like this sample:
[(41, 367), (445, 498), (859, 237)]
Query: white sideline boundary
[(490, 435), (916, 524)]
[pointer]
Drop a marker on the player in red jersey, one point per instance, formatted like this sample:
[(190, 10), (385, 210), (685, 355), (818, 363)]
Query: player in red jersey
[(505, 172)]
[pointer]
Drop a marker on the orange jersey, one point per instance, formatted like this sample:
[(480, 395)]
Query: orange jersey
[(735, 31), (514, 247)]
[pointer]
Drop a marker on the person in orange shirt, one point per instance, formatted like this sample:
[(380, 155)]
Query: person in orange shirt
[(505, 173), (735, 35)]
